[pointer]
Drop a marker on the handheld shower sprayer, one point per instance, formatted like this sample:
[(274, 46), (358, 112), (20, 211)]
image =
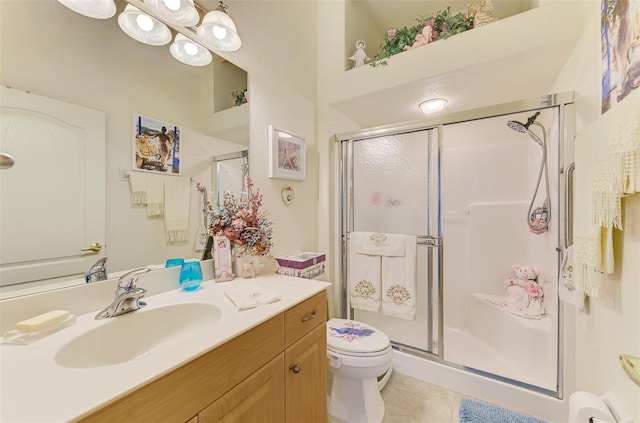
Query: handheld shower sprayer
[(538, 219)]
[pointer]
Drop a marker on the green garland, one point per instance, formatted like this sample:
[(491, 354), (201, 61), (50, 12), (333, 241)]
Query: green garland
[(444, 24)]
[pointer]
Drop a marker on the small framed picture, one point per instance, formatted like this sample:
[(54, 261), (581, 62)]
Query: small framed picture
[(156, 146), (287, 155), (222, 259)]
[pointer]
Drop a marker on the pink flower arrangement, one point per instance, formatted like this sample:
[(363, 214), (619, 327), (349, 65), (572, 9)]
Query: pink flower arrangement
[(242, 221), (391, 32)]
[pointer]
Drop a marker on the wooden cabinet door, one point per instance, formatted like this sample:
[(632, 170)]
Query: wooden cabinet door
[(257, 399), (306, 378)]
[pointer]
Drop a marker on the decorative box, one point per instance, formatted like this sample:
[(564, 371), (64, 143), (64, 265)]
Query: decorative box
[(303, 265)]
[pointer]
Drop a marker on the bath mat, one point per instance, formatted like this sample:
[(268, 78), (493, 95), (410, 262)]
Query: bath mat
[(472, 411)]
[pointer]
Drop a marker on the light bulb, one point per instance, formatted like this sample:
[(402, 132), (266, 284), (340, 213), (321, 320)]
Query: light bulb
[(172, 4), (191, 49), (144, 22), (219, 32)]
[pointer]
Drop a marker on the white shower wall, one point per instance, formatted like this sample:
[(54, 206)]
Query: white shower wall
[(489, 173)]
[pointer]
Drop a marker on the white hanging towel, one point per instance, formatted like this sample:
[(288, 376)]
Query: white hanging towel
[(138, 188), (378, 244), (148, 189), (399, 282), (176, 208), (364, 275)]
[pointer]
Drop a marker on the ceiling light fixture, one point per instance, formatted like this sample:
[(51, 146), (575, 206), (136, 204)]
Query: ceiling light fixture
[(219, 31), (97, 9), (188, 52), (143, 28), (433, 105), (178, 12)]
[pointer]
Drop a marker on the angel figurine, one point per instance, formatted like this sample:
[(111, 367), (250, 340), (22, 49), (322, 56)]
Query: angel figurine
[(359, 57)]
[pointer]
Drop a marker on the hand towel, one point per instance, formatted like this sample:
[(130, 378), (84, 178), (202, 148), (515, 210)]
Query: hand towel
[(567, 290), (399, 282), (176, 208), (364, 277), (138, 188), (246, 296), (148, 189), (617, 175), (378, 244)]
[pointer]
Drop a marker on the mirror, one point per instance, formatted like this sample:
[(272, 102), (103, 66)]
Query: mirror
[(54, 52), (231, 172)]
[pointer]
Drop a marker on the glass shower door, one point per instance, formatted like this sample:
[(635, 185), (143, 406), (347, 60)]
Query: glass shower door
[(391, 188), (493, 320)]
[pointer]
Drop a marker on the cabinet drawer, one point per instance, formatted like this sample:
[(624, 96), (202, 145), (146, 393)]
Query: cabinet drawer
[(300, 319)]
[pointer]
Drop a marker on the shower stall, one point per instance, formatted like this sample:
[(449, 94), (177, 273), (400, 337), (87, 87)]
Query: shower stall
[(482, 191)]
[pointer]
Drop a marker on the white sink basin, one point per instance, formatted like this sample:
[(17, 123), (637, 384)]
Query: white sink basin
[(137, 334)]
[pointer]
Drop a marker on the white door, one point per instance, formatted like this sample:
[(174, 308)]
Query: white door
[(52, 201)]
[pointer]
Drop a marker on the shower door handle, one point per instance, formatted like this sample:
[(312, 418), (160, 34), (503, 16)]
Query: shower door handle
[(568, 207)]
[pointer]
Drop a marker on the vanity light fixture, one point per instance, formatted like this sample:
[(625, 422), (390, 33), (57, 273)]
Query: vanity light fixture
[(178, 12), (188, 52), (219, 31), (97, 9), (142, 27), (433, 105)]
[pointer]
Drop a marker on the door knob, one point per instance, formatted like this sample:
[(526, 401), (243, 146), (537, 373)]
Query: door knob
[(95, 247)]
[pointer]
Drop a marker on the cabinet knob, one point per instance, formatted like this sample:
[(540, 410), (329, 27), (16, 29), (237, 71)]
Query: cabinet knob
[(308, 317), (295, 369)]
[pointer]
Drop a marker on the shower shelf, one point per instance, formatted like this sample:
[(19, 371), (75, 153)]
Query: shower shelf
[(543, 324)]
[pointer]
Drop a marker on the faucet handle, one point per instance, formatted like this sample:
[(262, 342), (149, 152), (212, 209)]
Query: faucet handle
[(132, 276)]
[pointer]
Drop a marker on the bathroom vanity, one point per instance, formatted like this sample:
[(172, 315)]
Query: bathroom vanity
[(262, 364)]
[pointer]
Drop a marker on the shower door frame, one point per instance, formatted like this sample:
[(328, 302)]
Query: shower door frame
[(566, 131)]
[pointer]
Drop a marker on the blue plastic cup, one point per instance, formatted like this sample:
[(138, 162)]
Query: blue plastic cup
[(173, 262), (190, 275)]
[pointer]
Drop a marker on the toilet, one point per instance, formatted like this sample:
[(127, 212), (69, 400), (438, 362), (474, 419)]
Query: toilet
[(359, 359)]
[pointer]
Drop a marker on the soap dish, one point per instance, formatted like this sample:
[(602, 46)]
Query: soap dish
[(18, 337)]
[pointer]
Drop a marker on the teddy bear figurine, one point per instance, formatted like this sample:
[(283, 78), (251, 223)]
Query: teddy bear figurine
[(524, 294)]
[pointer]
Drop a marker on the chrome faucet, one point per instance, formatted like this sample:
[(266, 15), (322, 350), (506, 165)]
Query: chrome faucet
[(127, 297), (97, 272)]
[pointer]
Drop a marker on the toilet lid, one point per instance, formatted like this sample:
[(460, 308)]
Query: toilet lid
[(355, 337)]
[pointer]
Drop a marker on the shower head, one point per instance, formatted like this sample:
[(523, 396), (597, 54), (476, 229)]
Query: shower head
[(522, 127)]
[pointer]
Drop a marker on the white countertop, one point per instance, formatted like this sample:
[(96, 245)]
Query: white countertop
[(34, 388)]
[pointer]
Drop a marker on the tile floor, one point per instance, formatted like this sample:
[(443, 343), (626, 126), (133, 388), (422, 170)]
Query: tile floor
[(410, 400)]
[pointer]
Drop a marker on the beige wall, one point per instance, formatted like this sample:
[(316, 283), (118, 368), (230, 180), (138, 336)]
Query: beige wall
[(279, 54), (609, 325)]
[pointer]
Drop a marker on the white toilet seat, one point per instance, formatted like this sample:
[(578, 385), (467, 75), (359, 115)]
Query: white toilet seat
[(350, 337)]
